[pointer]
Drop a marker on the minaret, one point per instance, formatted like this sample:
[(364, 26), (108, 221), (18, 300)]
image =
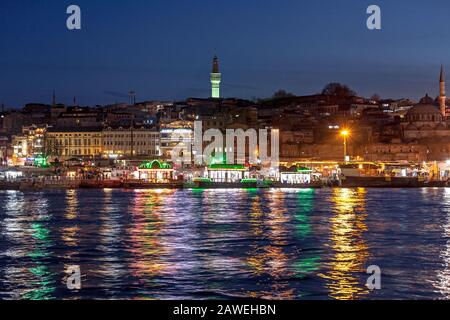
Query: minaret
[(442, 97), (216, 77)]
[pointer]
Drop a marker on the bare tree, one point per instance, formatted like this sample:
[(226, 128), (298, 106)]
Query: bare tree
[(338, 90)]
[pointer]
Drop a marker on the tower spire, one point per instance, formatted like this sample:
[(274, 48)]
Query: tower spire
[(442, 97), (215, 68), (216, 78)]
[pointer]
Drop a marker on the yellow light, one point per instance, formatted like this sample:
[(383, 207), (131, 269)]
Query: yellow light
[(345, 133)]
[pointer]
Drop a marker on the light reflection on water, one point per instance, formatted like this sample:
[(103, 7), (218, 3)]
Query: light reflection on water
[(273, 244)]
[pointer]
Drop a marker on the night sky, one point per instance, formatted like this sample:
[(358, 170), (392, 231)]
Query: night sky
[(163, 48)]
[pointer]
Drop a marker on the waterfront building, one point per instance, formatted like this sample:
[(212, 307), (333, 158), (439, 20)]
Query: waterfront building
[(216, 78), (131, 141), (29, 144), (69, 142), (413, 152), (174, 133)]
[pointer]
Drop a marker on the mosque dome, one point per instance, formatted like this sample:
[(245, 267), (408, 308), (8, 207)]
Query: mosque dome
[(426, 100), (423, 108), (424, 112)]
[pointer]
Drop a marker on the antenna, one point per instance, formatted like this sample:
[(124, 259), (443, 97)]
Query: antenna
[(132, 97)]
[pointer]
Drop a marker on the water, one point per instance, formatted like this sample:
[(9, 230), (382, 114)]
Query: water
[(220, 244)]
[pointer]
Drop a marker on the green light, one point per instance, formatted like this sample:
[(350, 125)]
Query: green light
[(305, 266), (41, 162), (40, 232), (155, 164), (249, 181), (219, 158), (303, 169)]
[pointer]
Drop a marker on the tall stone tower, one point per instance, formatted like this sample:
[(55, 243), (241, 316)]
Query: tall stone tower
[(442, 97), (216, 77)]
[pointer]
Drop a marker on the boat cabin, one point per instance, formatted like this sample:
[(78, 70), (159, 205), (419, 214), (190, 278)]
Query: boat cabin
[(155, 171), (296, 175), (227, 172)]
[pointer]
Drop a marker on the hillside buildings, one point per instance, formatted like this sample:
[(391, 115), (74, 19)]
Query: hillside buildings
[(309, 126)]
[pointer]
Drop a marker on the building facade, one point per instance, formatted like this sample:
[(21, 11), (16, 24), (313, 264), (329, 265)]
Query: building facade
[(67, 142), (141, 141)]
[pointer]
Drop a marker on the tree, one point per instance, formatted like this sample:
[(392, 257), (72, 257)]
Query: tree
[(52, 148), (338, 90), (375, 97), (282, 94)]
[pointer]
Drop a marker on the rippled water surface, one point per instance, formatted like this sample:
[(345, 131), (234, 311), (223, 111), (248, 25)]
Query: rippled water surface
[(215, 244)]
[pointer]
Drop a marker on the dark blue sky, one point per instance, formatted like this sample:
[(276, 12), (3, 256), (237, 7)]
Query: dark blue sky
[(163, 48)]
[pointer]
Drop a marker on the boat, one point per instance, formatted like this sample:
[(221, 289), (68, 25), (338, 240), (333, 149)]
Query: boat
[(369, 175), (297, 177), (381, 182), (312, 184), (208, 183)]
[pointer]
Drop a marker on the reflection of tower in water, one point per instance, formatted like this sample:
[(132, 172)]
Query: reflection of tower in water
[(347, 242)]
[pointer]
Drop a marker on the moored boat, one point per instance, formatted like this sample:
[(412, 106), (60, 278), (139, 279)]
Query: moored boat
[(207, 183), (381, 182)]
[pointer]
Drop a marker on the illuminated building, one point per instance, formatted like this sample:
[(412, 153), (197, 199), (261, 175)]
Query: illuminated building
[(174, 133), (29, 144), (65, 143), (216, 77), (139, 141)]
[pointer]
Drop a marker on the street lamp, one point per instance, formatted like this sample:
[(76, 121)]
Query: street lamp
[(345, 133)]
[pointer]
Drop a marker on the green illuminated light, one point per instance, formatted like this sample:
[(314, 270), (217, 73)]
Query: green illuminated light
[(155, 164), (41, 162)]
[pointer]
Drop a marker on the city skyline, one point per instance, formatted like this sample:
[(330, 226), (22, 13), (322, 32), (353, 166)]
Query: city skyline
[(224, 159), (115, 52)]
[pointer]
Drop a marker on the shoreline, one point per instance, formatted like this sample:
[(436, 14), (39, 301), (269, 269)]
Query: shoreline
[(171, 187)]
